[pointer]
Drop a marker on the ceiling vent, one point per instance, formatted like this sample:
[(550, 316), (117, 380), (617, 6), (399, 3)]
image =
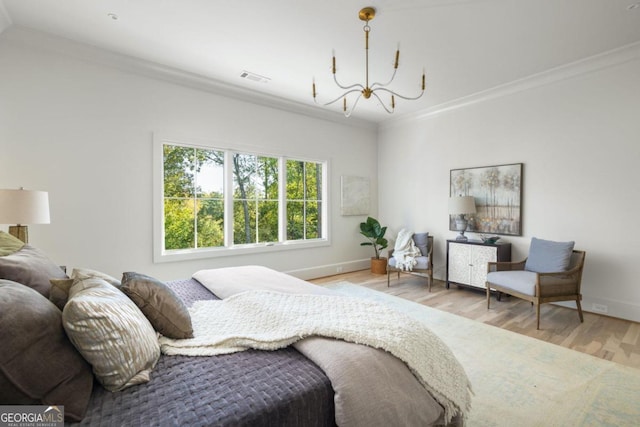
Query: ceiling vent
[(254, 77)]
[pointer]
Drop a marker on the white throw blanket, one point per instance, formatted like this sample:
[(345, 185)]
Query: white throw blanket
[(268, 320), (405, 251)]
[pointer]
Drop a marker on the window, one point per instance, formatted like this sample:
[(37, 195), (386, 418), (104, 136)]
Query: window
[(255, 199), (304, 200), (217, 202), (193, 197)]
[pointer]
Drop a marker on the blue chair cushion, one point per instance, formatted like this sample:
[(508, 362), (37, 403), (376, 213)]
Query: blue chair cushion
[(546, 256), (422, 262), (521, 280), (422, 242)]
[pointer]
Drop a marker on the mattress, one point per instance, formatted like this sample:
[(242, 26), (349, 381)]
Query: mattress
[(250, 388)]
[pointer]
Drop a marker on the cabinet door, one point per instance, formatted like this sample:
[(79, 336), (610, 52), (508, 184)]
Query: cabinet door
[(459, 263), (480, 256)]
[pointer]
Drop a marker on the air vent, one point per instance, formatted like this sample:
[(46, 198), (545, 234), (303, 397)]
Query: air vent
[(254, 77)]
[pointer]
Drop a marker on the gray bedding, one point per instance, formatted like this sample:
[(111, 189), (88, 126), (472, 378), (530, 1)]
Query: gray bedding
[(250, 388)]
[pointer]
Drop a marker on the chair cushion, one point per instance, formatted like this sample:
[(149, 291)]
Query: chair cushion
[(519, 281), (546, 256), (422, 242), (422, 262)]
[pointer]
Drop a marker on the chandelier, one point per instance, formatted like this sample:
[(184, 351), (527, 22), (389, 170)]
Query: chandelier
[(367, 14)]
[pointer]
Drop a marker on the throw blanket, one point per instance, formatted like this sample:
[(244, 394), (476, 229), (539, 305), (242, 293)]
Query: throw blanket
[(392, 396), (270, 320), (405, 250)]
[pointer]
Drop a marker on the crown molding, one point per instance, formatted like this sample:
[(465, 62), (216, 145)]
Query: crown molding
[(38, 40), (583, 66)]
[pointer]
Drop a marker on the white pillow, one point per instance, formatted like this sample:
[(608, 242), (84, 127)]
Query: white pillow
[(111, 333)]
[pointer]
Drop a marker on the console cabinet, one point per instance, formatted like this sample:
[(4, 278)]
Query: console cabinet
[(467, 261)]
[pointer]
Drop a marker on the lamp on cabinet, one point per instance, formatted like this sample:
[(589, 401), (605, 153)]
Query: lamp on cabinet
[(461, 206), (23, 207)]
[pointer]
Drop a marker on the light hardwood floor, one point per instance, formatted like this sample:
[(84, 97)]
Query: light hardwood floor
[(601, 336)]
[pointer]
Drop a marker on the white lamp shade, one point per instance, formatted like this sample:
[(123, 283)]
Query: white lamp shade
[(462, 205), (24, 207)]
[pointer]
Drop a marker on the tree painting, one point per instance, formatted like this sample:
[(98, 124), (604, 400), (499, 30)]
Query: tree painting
[(497, 191)]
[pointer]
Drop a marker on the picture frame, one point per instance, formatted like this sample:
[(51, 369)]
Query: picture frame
[(355, 195), (497, 191)]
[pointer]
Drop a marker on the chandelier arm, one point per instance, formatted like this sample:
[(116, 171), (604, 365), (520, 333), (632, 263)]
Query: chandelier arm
[(408, 98), (343, 95), (393, 76), (382, 103), (347, 114), (358, 85)]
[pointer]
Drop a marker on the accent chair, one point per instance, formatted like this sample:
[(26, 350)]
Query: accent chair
[(424, 262), (552, 272)]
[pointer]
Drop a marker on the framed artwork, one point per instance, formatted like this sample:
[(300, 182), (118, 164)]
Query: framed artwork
[(355, 195), (497, 191)]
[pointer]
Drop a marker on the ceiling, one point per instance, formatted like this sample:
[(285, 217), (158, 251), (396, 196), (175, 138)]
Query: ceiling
[(464, 46)]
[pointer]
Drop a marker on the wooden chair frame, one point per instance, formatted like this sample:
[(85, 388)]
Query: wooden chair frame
[(416, 271), (549, 287)]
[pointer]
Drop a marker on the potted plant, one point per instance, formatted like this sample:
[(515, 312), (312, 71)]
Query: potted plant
[(374, 232)]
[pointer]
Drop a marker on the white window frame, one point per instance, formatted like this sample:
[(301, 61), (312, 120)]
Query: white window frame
[(161, 255)]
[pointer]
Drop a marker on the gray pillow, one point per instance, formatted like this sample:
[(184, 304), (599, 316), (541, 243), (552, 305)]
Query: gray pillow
[(111, 333), (38, 364), (30, 267), (422, 242), (166, 312), (547, 256)]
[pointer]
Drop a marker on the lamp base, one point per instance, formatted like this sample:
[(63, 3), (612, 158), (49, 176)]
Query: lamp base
[(461, 226), (20, 232)]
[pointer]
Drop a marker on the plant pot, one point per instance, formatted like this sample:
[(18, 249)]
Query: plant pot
[(379, 265)]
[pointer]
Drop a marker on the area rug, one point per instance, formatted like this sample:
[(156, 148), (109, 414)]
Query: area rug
[(520, 381)]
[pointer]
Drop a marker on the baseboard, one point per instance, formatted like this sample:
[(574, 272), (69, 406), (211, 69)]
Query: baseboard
[(607, 307), (330, 269)]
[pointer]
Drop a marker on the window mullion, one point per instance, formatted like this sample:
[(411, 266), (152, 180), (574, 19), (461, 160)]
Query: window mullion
[(228, 198), (282, 199)]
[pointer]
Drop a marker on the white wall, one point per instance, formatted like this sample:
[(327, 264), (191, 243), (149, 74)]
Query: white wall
[(579, 140), (83, 131)]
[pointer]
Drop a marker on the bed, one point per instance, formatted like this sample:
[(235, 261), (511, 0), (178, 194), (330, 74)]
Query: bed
[(248, 388)]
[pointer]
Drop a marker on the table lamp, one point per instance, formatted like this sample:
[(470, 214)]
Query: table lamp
[(460, 206), (23, 207)]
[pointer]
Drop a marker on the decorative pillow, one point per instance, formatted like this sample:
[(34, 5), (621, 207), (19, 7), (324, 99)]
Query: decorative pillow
[(546, 256), (9, 244), (164, 309), (422, 242), (111, 333), (59, 291), (38, 364), (30, 267), (85, 273)]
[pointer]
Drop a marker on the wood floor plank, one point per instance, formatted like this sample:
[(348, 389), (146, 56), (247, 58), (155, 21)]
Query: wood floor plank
[(601, 336)]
